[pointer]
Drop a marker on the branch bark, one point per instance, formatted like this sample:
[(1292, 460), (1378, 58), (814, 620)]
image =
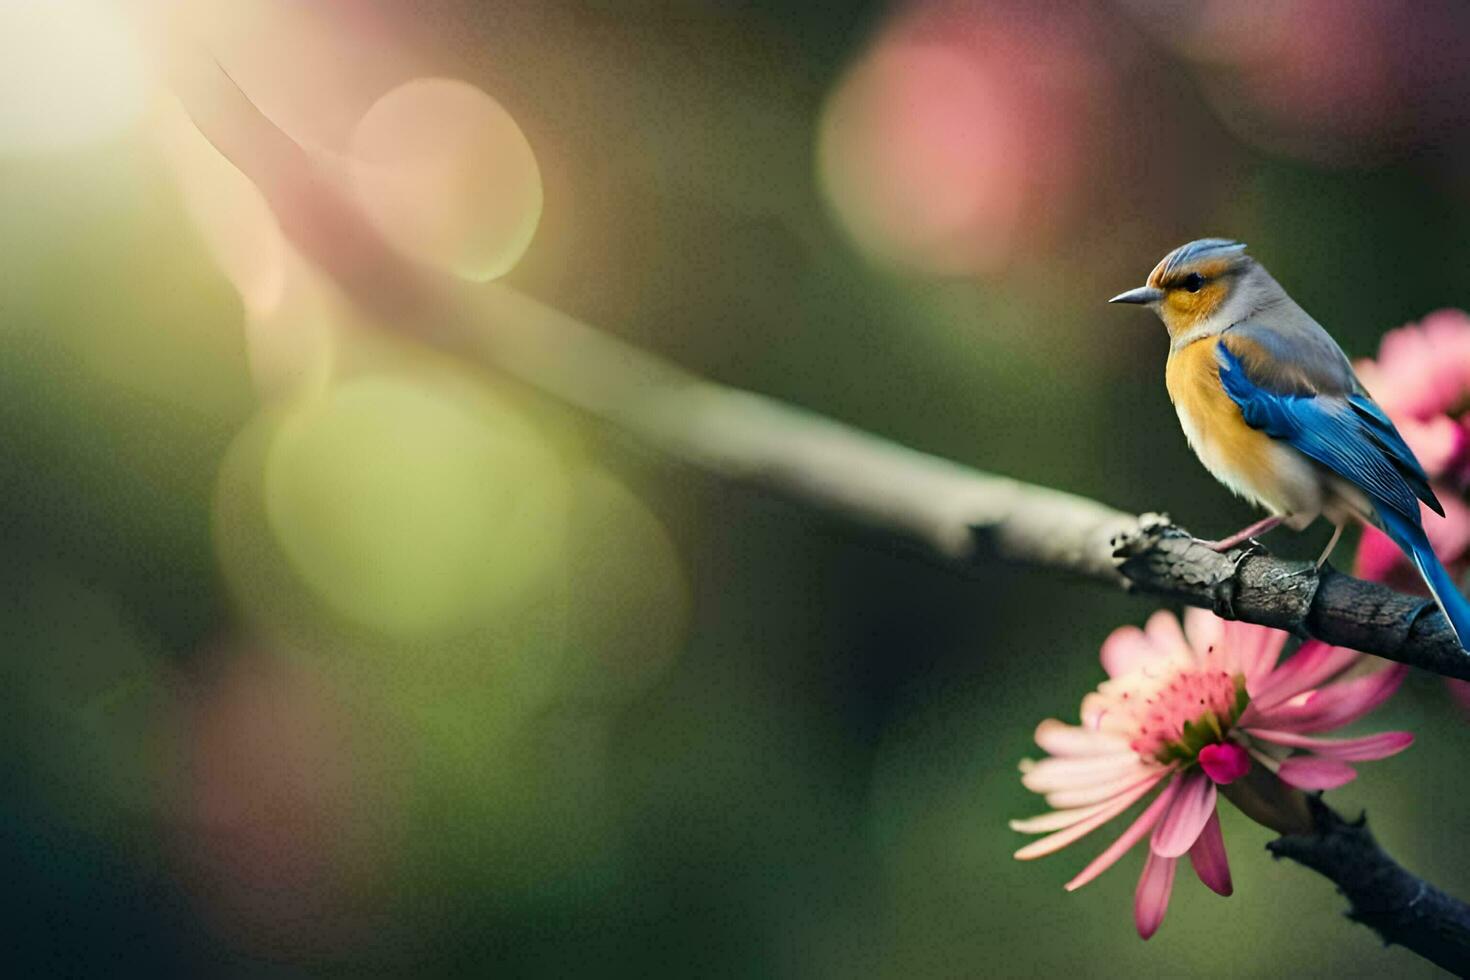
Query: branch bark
[(1402, 908), (955, 514)]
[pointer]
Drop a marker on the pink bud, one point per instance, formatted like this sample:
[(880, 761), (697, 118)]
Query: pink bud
[(1224, 763)]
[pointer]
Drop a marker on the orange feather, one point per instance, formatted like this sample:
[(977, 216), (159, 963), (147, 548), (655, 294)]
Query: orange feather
[(1249, 462)]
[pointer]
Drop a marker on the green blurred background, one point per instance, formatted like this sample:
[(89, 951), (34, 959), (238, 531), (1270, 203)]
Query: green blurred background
[(403, 670)]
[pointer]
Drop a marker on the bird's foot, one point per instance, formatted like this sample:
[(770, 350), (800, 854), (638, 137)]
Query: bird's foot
[(1243, 535), (1331, 544)]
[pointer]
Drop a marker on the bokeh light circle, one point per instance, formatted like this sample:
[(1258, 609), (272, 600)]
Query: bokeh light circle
[(71, 73), (410, 510), (447, 177), (283, 835), (919, 158)]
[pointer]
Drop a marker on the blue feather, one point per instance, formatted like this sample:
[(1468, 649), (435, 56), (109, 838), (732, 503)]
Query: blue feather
[(1410, 538), (1354, 439), (1328, 430), (1382, 431)]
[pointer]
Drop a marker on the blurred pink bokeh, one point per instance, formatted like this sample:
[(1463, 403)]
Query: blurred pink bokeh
[(967, 135), (1331, 81), (282, 834)]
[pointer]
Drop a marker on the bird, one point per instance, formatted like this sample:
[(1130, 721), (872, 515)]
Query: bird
[(1271, 406)]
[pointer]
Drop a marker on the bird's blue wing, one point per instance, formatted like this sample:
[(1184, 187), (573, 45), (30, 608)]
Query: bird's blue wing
[(1383, 432), (1345, 433)]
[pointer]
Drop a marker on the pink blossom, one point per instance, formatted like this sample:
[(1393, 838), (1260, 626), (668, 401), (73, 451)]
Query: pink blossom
[(1200, 711), (1421, 378)]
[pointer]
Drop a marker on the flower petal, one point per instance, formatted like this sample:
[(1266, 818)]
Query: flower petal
[(1203, 629), (1128, 838), (1332, 706), (1059, 738), (1377, 555), (1233, 646), (1064, 799), (1180, 827), (1208, 857), (1055, 820), (1312, 665), (1127, 649), (1315, 772), (1055, 842), (1435, 441), (1364, 749), (1224, 762), (1164, 632), (1151, 900), (1420, 367), (1380, 560), (1257, 648), (1073, 772), (1449, 536)]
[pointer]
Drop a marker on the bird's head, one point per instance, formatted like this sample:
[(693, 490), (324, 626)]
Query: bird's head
[(1195, 284)]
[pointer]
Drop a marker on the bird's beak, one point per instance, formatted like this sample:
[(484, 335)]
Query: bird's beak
[(1141, 296)]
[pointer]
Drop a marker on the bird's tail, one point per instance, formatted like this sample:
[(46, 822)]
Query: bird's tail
[(1411, 539)]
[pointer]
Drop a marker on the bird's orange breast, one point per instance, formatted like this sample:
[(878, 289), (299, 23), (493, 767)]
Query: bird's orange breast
[(1244, 459)]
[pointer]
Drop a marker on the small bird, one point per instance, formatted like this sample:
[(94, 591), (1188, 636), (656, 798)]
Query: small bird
[(1271, 406)]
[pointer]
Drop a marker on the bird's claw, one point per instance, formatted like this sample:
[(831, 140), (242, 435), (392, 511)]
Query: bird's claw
[(1252, 547), (1241, 549)]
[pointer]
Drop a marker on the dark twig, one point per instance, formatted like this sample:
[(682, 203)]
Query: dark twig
[(1252, 585), (1402, 908)]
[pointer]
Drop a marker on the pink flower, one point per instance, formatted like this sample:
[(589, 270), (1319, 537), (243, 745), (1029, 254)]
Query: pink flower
[(1421, 378), (1200, 711)]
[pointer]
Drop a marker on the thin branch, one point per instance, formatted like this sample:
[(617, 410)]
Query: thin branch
[(957, 515), (1402, 908)]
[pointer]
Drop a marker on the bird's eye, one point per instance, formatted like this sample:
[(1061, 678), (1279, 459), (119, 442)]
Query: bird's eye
[(1193, 282)]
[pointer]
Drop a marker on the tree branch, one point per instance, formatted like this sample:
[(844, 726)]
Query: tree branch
[(955, 514), (1403, 909)]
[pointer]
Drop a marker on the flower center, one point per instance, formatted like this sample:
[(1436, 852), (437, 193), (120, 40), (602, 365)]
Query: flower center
[(1194, 709)]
